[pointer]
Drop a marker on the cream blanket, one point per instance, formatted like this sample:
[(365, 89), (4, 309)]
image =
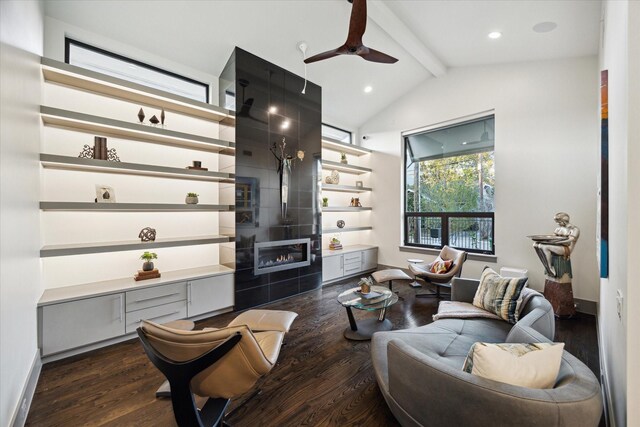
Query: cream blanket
[(465, 310)]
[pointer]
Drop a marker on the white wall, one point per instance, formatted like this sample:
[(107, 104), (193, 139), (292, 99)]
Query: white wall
[(619, 343), (546, 155), (21, 35)]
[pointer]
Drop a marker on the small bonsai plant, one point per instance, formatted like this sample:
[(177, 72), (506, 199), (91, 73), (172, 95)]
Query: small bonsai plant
[(191, 199), (325, 202), (148, 258), (343, 158)]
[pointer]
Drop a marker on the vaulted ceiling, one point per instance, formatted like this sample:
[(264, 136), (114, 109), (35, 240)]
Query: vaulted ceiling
[(428, 38)]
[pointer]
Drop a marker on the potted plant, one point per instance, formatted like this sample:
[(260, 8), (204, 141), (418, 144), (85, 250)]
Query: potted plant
[(191, 199), (343, 158), (325, 202), (148, 258)]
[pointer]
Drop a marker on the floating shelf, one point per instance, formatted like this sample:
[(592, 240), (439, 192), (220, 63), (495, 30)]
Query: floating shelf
[(117, 128), (95, 289), (53, 161), (81, 78), (335, 145), (345, 229), (345, 209), (344, 188), (132, 207), (352, 169), (128, 245)]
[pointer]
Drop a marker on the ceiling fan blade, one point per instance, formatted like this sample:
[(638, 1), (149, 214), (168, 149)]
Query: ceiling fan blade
[(323, 55), (377, 56), (357, 23)]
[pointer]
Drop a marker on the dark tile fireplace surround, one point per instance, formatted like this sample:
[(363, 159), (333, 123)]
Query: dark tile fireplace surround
[(278, 247)]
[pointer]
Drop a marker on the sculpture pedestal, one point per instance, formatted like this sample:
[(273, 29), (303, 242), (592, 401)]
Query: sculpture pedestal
[(560, 295)]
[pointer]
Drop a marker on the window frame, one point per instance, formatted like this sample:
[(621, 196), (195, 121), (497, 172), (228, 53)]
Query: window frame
[(67, 51), (341, 130), (443, 215)]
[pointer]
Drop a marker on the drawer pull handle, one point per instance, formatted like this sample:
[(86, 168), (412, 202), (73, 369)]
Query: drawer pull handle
[(158, 297), (159, 317)]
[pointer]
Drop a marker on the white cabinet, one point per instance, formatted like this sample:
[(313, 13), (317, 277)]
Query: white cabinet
[(354, 260), (332, 268), (159, 304), (209, 294), (75, 323), (370, 259)]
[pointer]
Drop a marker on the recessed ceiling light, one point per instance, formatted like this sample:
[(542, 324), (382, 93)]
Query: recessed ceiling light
[(367, 89), (494, 35), (544, 27), (273, 109), (465, 143)]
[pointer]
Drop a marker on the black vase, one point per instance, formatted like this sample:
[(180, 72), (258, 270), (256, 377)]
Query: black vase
[(147, 266)]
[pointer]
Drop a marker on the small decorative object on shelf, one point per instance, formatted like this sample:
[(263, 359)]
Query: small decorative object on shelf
[(365, 285), (335, 244), (105, 194), (334, 178), (343, 158), (197, 165), (325, 202), (148, 271), (162, 117), (340, 223), (154, 120), (359, 184), (300, 155), (99, 148), (355, 202), (147, 234), (141, 116), (86, 153), (191, 199), (112, 155)]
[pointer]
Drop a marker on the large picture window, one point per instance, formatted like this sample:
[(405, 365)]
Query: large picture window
[(336, 134), (450, 186)]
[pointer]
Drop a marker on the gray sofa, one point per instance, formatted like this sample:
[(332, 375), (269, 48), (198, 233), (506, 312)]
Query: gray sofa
[(419, 371)]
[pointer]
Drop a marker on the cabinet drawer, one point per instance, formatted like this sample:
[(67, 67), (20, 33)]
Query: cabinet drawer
[(158, 295), (354, 257), (159, 314), (352, 268)]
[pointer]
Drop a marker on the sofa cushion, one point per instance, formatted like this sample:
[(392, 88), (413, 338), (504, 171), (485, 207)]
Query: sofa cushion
[(534, 365), (500, 295)]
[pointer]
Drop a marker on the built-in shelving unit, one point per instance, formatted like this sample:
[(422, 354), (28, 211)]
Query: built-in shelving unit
[(87, 309), (132, 207), (344, 188), (110, 127), (54, 161), (129, 245), (81, 78), (346, 209)]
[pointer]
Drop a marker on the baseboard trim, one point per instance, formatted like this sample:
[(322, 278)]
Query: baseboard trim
[(26, 397), (586, 306), (604, 381)]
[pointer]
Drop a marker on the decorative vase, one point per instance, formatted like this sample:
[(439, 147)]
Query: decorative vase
[(191, 200), (365, 288), (147, 266)]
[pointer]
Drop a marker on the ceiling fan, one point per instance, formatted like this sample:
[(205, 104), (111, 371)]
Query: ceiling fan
[(354, 45)]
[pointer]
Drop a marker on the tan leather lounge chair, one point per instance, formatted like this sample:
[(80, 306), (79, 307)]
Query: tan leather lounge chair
[(216, 363), (440, 280)]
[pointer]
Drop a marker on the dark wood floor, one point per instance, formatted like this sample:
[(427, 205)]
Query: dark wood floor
[(321, 378)]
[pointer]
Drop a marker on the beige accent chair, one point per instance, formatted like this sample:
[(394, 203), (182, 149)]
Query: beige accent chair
[(440, 280), (217, 363)]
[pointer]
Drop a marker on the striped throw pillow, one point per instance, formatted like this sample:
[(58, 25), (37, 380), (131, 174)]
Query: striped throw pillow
[(534, 365), (500, 295)]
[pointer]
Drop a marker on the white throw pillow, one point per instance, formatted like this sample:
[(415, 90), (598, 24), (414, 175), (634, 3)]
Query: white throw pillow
[(526, 365)]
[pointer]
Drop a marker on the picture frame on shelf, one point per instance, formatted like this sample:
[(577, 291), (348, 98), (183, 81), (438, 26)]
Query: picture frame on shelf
[(105, 194), (359, 184)]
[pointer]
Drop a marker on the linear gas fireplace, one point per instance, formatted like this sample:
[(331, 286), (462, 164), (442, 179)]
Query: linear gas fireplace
[(281, 255)]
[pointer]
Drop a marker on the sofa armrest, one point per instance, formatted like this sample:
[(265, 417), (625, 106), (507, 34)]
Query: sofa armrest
[(540, 320), (463, 290), (432, 393)]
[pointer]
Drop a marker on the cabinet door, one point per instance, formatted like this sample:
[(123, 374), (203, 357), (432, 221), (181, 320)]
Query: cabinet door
[(76, 323), (332, 267), (370, 259), (209, 294)]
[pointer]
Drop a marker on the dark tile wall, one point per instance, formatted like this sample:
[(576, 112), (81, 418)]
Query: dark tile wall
[(259, 86)]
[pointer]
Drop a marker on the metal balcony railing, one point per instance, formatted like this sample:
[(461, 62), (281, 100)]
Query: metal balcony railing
[(470, 231)]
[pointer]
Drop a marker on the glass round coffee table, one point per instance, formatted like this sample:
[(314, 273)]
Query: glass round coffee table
[(378, 299)]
